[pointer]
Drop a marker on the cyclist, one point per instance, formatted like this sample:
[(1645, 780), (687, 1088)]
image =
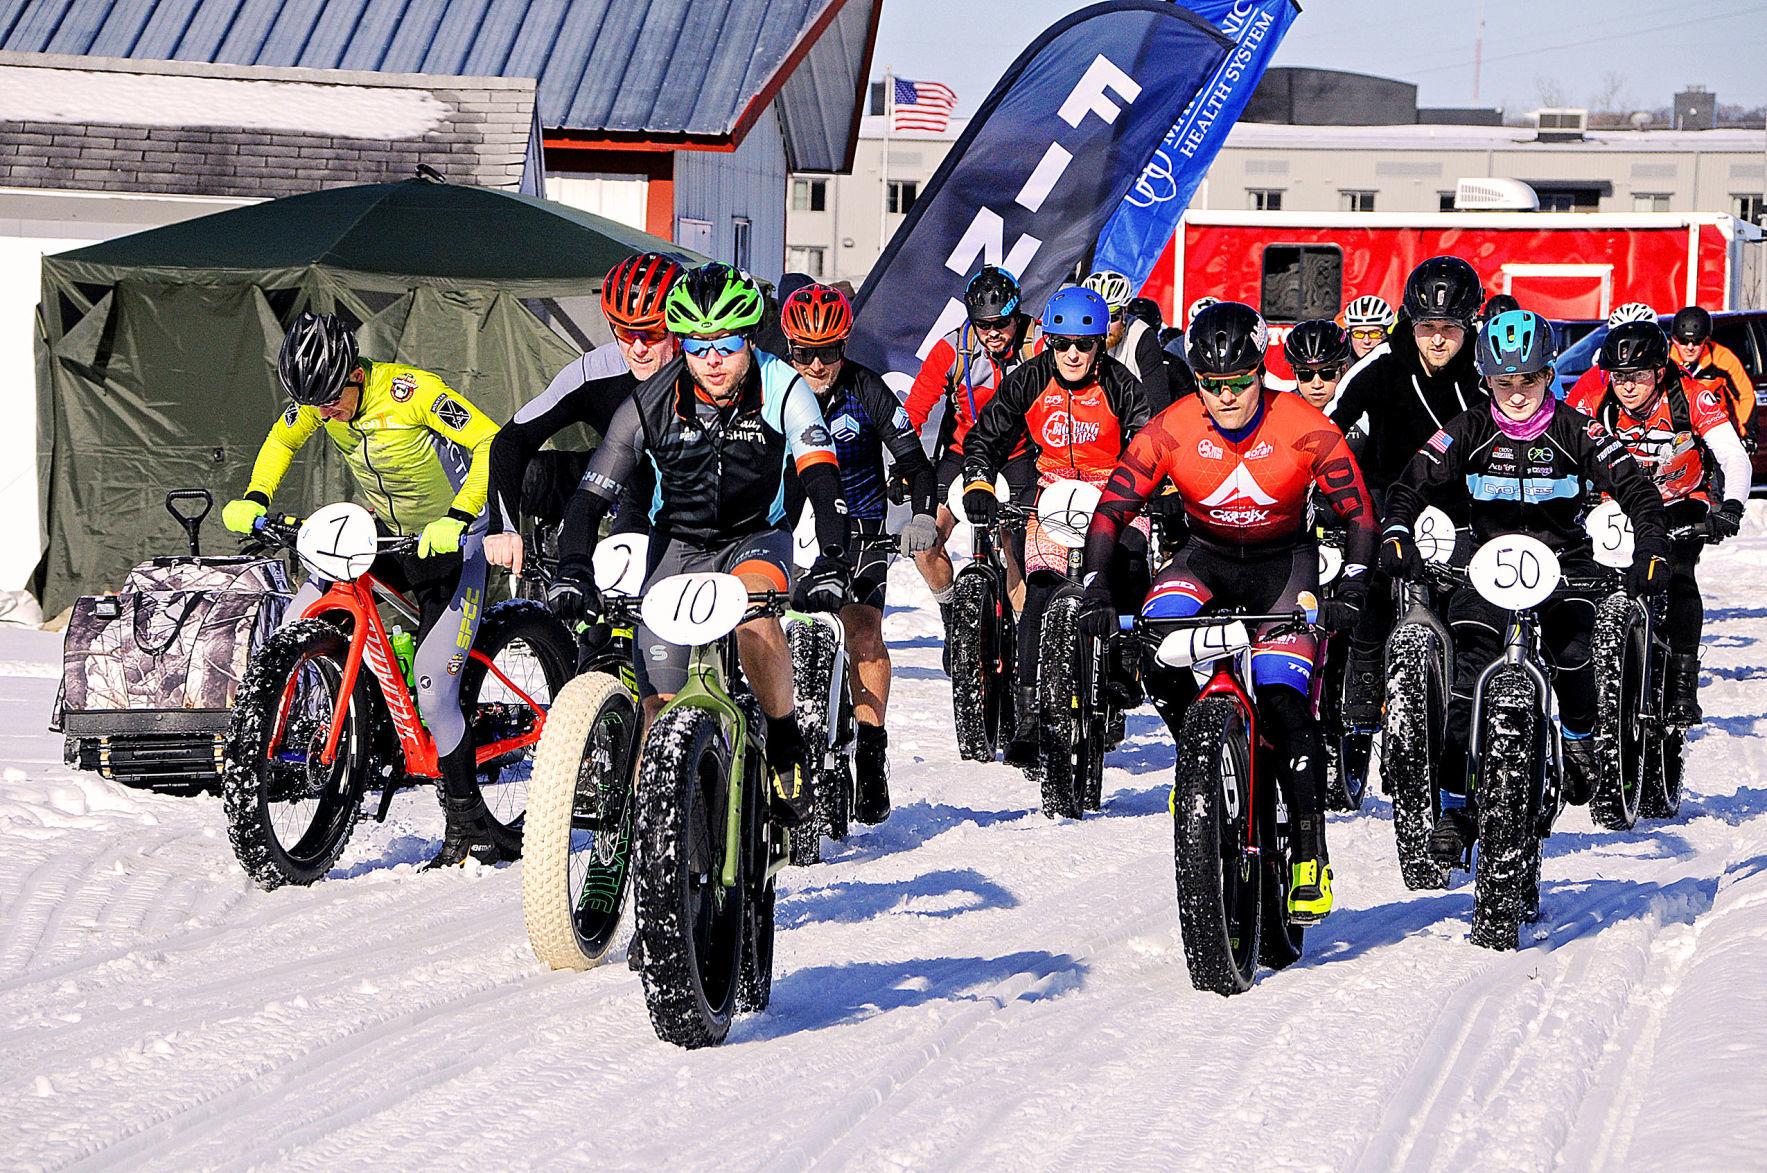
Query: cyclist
[(1591, 384), (1402, 395), (1320, 352), (1522, 464), (1368, 319), (1131, 340), (964, 369), (588, 391), (1076, 408), (420, 454), (1706, 365), (1685, 442), (864, 417), (1246, 460), (1497, 303), (721, 427)]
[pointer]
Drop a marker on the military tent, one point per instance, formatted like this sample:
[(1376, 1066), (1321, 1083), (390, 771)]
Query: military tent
[(156, 351)]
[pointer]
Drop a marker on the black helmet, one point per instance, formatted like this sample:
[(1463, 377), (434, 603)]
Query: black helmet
[(1443, 288), (1318, 343), (1634, 346), (991, 294), (1172, 341), (318, 355), (1147, 309), (1500, 303), (1227, 338), (1692, 324)]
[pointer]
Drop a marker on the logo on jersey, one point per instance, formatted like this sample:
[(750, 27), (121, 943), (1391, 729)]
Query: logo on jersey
[(1061, 430), (814, 436), (845, 427), (1596, 431), (292, 415), (902, 421), (1709, 400), (1261, 449), (1540, 454), (451, 412), (1208, 449), (404, 387), (1238, 500)]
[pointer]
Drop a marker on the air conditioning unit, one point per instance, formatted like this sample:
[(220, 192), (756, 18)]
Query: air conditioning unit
[(1561, 125), (1495, 195)]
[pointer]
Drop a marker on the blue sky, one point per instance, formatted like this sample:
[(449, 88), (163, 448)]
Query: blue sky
[(1656, 46)]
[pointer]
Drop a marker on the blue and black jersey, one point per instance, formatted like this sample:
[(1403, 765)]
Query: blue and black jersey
[(865, 417)]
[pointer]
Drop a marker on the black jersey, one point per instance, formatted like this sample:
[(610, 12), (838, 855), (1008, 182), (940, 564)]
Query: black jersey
[(588, 391), (865, 417)]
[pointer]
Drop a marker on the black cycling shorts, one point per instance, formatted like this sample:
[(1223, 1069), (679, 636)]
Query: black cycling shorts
[(662, 666), (872, 552)]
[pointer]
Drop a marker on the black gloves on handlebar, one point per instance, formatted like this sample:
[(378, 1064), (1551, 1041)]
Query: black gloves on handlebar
[(1098, 617), (1398, 555), (1344, 610), (1726, 523), (980, 504), (573, 600), (824, 586), (1648, 575)]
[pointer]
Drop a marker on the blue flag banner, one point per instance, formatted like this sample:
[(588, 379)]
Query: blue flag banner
[(1040, 168), (1133, 240)]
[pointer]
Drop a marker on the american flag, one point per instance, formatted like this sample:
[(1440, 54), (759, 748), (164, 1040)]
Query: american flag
[(921, 105)]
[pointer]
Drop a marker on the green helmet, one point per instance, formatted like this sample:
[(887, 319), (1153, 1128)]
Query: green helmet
[(713, 299)]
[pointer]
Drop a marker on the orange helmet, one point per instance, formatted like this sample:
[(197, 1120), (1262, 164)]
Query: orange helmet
[(632, 295), (816, 315)]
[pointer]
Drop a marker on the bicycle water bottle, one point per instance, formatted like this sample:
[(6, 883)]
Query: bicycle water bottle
[(405, 648)]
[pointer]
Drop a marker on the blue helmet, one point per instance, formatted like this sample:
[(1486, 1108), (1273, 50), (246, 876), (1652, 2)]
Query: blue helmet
[(1516, 342), (1077, 312)]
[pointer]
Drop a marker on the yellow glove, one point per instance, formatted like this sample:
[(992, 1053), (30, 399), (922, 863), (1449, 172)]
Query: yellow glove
[(441, 536), (239, 515)]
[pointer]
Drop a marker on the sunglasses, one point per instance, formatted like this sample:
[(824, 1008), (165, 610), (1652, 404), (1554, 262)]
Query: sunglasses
[(1233, 383), (1634, 378), (1060, 343), (1322, 374), (1373, 334), (728, 345), (649, 337), (993, 325), (827, 355)]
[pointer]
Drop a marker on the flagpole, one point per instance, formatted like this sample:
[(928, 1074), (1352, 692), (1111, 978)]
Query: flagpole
[(883, 215)]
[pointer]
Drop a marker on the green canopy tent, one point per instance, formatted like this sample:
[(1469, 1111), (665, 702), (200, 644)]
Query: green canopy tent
[(156, 352)]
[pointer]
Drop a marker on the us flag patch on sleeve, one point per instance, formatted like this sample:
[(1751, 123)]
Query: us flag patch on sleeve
[(1440, 441)]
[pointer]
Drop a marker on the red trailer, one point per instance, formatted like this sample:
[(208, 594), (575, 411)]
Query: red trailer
[(1299, 265)]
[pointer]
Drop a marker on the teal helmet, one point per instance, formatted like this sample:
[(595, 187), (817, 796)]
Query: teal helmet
[(1516, 342)]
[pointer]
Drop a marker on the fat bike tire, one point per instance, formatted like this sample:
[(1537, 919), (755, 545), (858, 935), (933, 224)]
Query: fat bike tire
[(975, 634), (1506, 873), (690, 928), (1624, 746), (578, 836), (1219, 880), (754, 987), (533, 650), (812, 664), (1064, 718), (1662, 792), (289, 816), (1411, 750)]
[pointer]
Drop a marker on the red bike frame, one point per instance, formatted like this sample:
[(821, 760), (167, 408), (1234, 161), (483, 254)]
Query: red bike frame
[(368, 640)]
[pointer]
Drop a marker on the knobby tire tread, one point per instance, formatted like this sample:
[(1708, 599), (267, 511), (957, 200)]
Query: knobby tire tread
[(1410, 753)]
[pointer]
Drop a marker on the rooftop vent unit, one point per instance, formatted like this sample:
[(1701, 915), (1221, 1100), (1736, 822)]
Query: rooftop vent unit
[(1495, 195), (1561, 125)]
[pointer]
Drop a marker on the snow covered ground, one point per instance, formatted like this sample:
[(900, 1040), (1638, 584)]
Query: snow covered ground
[(969, 985)]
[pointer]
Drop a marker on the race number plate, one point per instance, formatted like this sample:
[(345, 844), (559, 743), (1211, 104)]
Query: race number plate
[(1203, 645), (1434, 533), (1611, 531), (1514, 572), (338, 542), (693, 609), (954, 496), (620, 563), (1064, 511)]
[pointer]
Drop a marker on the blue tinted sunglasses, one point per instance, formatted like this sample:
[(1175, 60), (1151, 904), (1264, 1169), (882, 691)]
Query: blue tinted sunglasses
[(726, 346)]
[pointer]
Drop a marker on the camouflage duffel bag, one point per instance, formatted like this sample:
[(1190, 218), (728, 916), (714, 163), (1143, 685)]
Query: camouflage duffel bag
[(149, 673)]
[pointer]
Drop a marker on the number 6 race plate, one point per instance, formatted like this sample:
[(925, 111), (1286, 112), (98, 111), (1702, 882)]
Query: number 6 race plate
[(693, 609), (1514, 572)]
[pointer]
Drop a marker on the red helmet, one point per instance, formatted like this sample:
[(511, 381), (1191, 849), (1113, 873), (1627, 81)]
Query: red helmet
[(632, 296), (817, 315)]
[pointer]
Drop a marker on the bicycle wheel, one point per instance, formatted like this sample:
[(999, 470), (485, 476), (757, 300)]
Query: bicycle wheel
[(812, 670), (289, 815), (533, 656), (1505, 878), (1064, 716), (1664, 793), (1411, 749), (754, 987), (1622, 740), (690, 927), (577, 844), (1219, 877), (977, 635)]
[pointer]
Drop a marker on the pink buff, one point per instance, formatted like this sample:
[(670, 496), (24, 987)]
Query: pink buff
[(1531, 428)]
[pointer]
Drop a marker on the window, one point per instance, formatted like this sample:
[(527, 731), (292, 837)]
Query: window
[(803, 259), (1649, 202), (1582, 198), (903, 193), (1747, 207), (739, 241), (1302, 282), (809, 195), (1264, 199), (694, 234), (1355, 201), (1446, 202)]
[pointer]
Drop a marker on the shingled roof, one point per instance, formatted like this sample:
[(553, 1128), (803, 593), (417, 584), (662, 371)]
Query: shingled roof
[(696, 72)]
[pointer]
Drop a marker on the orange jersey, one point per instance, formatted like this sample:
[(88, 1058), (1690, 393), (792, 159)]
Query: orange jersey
[(1718, 369), (1672, 456), (1078, 435)]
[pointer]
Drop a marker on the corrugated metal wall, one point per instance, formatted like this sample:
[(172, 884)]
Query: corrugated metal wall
[(748, 182)]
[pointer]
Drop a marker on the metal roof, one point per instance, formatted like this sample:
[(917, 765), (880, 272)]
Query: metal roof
[(641, 67)]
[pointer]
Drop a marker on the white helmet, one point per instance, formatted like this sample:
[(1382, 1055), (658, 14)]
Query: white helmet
[(1632, 311), (1369, 310), (1113, 287), (1198, 306)]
